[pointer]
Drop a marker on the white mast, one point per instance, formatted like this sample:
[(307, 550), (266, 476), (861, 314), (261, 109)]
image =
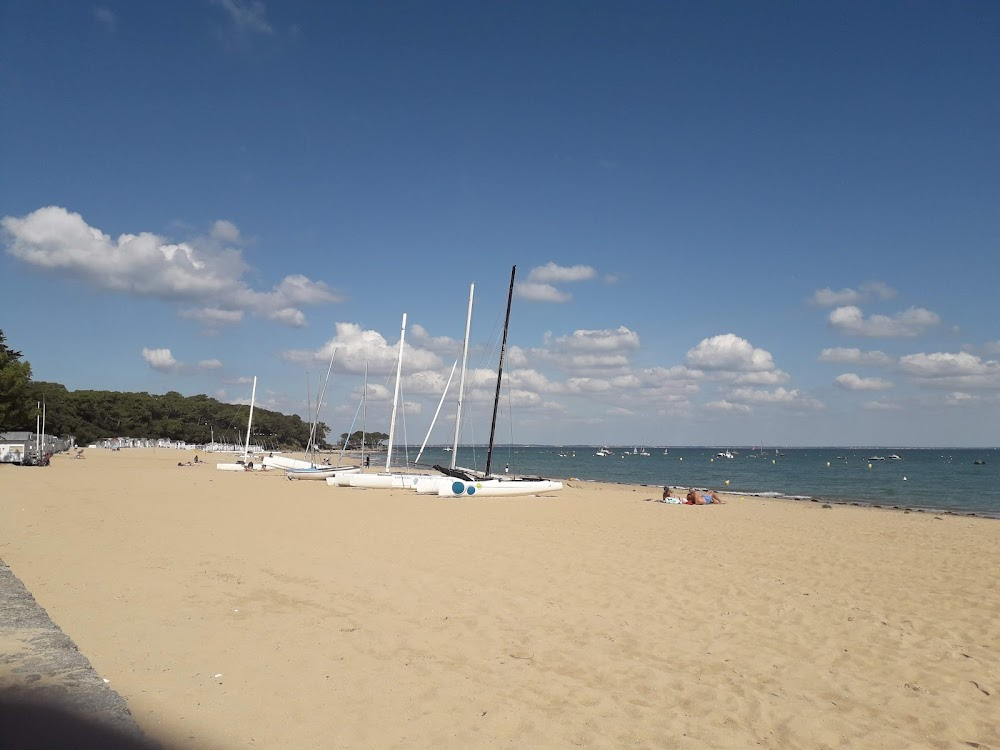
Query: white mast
[(38, 434), (395, 398), (436, 412), (461, 381), (253, 395)]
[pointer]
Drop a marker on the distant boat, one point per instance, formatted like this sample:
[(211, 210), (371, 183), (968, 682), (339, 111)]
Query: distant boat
[(604, 451), (666, 452), (876, 458), (894, 457), (725, 454), (978, 462)]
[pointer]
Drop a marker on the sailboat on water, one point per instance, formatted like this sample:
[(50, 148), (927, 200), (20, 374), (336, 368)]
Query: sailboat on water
[(464, 483)]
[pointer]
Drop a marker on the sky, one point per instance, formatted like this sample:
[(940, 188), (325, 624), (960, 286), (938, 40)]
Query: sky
[(733, 223)]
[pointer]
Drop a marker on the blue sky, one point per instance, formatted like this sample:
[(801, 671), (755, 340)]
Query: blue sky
[(733, 223)]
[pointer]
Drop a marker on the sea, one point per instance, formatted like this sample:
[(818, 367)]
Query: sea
[(949, 480)]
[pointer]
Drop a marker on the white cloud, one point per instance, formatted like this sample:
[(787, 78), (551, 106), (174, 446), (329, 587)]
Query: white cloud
[(849, 381), (539, 285), (961, 370), (106, 17), (851, 356), (873, 289), (944, 364), (161, 360), (606, 340), (247, 15), (551, 273), (210, 364), (909, 323), (144, 265), (766, 377), (731, 353), (355, 346), (443, 345), (727, 406), (957, 398), (225, 231), (540, 292), (212, 316), (779, 397)]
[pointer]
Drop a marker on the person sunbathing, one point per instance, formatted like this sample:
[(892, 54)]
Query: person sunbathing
[(706, 498)]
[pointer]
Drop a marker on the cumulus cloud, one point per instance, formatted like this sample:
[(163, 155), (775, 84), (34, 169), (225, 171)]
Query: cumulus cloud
[(873, 289), (540, 292), (145, 265), (728, 406), (957, 398), (551, 273), (909, 323), (849, 381), (778, 397), (160, 360), (210, 364), (212, 317), (730, 353), (586, 352), (443, 345), (539, 285), (850, 356), (947, 369), (355, 346), (246, 15)]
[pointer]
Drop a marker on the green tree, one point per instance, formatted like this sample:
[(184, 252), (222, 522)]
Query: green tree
[(15, 378)]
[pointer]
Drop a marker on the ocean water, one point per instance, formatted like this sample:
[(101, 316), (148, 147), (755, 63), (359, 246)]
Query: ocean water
[(944, 479)]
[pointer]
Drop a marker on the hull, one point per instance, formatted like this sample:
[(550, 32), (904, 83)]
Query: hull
[(320, 473), (497, 487), (385, 481), (283, 462)]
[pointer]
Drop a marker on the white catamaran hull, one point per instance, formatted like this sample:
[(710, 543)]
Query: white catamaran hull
[(497, 487), (385, 480), (321, 473), (283, 462)]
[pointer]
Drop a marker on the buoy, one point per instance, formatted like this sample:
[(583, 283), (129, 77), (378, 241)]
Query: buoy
[(682, 458), (711, 460), (727, 481), (827, 463), (869, 466), (904, 479), (773, 461)]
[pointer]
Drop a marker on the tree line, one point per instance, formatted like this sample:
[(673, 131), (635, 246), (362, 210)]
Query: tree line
[(92, 415)]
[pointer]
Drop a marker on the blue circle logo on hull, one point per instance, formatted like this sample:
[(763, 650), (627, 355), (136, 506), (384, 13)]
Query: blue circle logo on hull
[(457, 488)]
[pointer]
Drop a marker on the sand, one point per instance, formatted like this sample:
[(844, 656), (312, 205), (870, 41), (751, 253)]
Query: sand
[(236, 610)]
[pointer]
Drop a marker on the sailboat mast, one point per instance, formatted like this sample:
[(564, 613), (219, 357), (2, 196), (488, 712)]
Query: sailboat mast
[(253, 396), (364, 419), (395, 397), (461, 380), (503, 351)]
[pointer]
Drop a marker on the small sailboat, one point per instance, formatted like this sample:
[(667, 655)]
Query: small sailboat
[(464, 484), (247, 463)]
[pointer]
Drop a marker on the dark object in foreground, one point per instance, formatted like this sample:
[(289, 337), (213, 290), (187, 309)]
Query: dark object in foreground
[(26, 725)]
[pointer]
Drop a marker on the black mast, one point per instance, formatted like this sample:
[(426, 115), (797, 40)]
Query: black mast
[(503, 350)]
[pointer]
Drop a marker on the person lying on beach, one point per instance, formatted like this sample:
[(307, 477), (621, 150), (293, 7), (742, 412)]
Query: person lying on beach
[(185, 463), (707, 498)]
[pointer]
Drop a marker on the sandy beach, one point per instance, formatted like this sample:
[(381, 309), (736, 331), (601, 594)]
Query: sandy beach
[(236, 610)]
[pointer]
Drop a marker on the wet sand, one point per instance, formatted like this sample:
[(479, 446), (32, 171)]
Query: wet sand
[(233, 610)]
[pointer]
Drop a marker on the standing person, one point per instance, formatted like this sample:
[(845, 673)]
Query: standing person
[(368, 461), (506, 469)]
